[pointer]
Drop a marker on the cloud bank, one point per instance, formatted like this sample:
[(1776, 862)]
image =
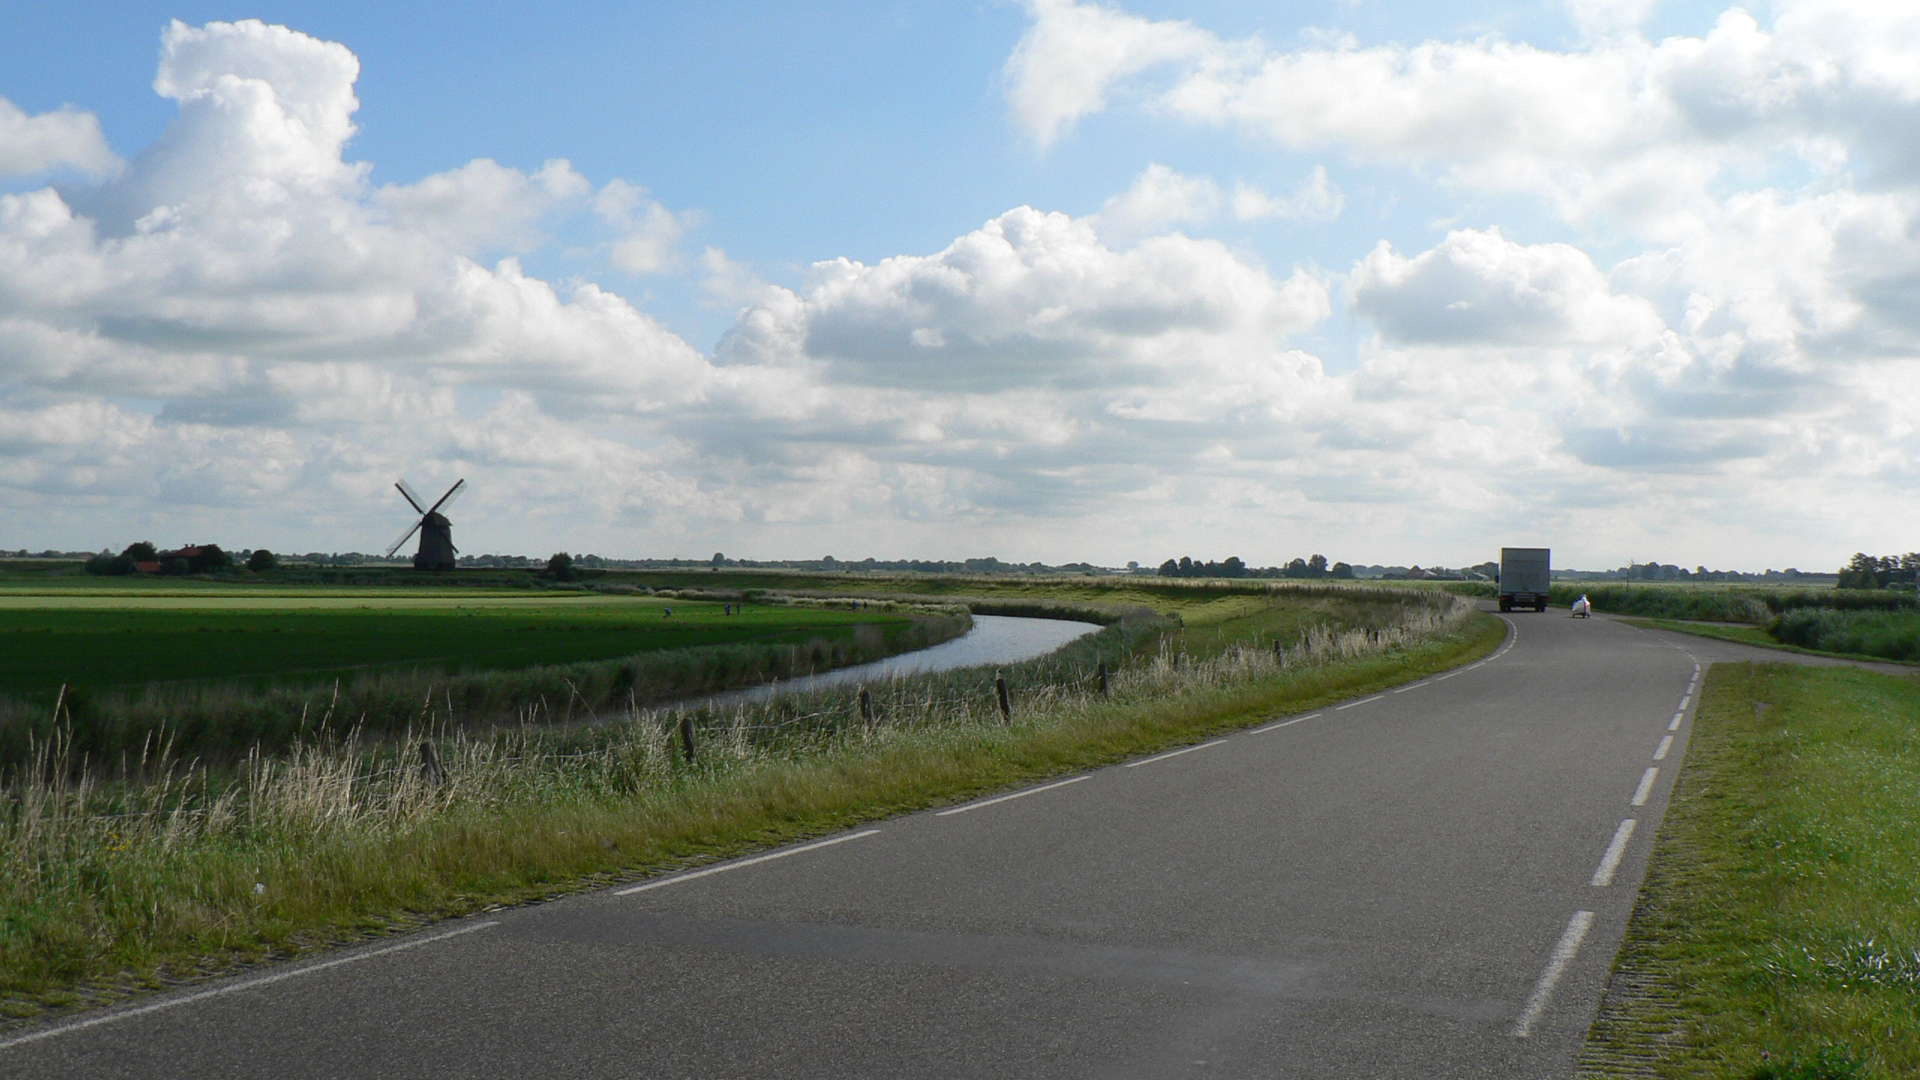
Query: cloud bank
[(237, 335)]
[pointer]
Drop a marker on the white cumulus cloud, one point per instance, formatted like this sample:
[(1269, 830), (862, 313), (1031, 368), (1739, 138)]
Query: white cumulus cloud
[(63, 138)]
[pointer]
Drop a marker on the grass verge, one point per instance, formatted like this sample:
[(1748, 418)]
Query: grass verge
[(1776, 935), (310, 851)]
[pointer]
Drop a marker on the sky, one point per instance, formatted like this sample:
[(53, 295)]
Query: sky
[(1051, 281)]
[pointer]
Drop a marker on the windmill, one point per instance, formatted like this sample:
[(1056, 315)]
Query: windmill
[(436, 532)]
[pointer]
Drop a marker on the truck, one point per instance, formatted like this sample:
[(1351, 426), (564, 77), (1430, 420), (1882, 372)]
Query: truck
[(1525, 578)]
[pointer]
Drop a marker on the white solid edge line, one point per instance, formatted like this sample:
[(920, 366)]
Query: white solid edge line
[(1610, 862), (1448, 675), (1362, 701), (1675, 725), (1414, 686), (1563, 954), (723, 867), (1646, 786), (1004, 798), (264, 980), (1666, 744), (1174, 753), (1284, 723)]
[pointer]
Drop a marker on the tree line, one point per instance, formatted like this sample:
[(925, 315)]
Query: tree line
[(193, 559), (1233, 567), (1865, 571)]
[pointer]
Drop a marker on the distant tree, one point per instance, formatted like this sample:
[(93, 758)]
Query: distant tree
[(209, 559), (560, 567), (1866, 572), (1233, 567), (262, 561), (1169, 569), (1342, 571), (141, 552), (107, 565), (1297, 568), (1317, 566), (721, 560)]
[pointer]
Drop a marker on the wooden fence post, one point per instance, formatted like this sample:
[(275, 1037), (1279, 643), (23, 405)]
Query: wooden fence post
[(1102, 672), (430, 768), (686, 736), (1006, 703), (866, 705)]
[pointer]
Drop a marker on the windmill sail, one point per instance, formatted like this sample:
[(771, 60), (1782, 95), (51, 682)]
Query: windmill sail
[(412, 496)]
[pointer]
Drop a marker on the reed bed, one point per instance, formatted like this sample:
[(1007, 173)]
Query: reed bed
[(111, 885)]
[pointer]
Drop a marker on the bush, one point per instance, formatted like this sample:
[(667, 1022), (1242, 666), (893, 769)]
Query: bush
[(105, 565), (1894, 635), (262, 561)]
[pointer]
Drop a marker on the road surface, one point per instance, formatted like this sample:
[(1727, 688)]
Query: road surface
[(1429, 882)]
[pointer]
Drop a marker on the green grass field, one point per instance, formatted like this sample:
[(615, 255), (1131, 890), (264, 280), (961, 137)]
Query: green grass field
[(1777, 934), (118, 640)]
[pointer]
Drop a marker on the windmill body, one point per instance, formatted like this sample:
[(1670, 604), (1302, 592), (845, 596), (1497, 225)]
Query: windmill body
[(436, 532), (436, 544)]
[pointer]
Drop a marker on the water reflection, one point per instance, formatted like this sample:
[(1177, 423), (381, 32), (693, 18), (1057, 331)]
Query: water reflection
[(994, 639)]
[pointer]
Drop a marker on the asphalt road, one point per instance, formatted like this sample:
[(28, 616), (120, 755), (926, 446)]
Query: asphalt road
[(1427, 883)]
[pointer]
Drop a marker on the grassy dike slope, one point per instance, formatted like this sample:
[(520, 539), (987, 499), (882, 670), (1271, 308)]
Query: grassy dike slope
[(1778, 932), (88, 915)]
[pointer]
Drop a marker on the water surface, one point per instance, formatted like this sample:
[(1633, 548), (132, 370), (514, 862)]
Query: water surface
[(994, 639)]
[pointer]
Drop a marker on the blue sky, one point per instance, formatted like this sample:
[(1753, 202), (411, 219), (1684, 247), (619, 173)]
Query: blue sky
[(1270, 315)]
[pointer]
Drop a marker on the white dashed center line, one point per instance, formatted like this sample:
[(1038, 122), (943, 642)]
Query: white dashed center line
[(1666, 744), (1362, 701)]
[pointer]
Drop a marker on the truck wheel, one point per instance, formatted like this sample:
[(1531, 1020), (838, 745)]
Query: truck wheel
[(1540, 606), (1506, 605)]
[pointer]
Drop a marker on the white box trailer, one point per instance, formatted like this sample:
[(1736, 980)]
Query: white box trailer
[(1525, 576)]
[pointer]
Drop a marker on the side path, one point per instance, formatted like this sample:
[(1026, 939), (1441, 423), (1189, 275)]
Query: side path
[(1427, 882), (1716, 651)]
